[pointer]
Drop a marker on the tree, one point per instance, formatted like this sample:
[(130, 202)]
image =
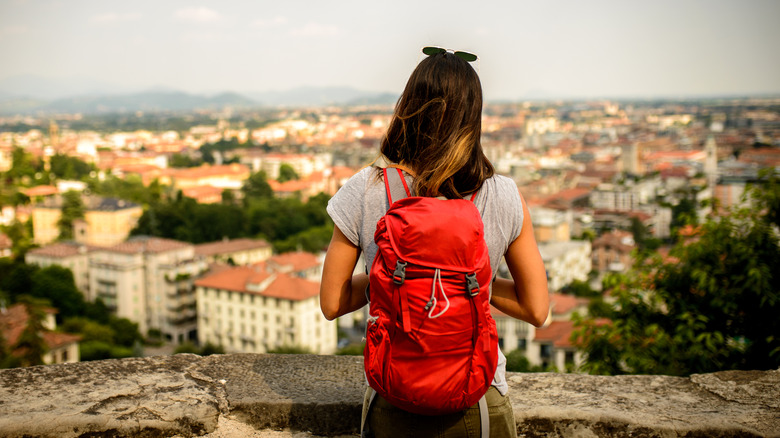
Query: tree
[(67, 167), (712, 306), (287, 173), (257, 187), (72, 209), (31, 345)]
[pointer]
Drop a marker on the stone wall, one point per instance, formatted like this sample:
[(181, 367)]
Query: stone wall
[(307, 395)]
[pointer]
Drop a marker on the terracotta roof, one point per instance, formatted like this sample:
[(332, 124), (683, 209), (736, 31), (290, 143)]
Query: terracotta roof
[(559, 332), (281, 286), (145, 244), (229, 246), (41, 191), (297, 261), (618, 239), (57, 339), (13, 320), (198, 191), (205, 171), (5, 242), (290, 186), (61, 249), (565, 303)]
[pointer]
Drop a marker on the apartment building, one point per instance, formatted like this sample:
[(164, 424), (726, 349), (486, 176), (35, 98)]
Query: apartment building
[(107, 221), (150, 281), (228, 176), (566, 262), (61, 347), (551, 225), (549, 345), (71, 255), (624, 197), (253, 309), (242, 251), (612, 251)]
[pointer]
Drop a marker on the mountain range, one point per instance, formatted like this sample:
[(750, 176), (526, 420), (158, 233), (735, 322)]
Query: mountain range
[(33, 94)]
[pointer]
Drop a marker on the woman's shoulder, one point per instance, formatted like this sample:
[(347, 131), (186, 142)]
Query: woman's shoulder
[(501, 185)]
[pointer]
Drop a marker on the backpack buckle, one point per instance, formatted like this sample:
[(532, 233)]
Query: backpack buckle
[(399, 275), (472, 285)]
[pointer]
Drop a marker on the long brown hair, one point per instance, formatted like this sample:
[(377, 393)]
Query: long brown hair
[(436, 128)]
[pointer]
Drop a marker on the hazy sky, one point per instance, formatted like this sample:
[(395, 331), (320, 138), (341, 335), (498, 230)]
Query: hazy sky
[(577, 48)]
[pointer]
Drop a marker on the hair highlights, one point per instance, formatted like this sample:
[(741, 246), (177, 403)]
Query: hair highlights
[(436, 128)]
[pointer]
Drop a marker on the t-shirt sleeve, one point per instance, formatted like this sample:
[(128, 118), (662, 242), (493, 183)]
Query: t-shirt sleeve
[(346, 206), (512, 208)]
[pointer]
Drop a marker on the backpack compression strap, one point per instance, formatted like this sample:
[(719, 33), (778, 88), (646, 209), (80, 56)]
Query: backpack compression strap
[(395, 185)]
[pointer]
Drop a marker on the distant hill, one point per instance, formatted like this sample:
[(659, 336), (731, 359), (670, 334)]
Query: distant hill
[(26, 94), (319, 96), (147, 101)]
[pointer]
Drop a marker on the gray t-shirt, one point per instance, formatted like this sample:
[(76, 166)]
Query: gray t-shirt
[(362, 201)]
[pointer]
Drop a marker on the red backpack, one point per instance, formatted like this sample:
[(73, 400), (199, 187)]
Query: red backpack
[(431, 343)]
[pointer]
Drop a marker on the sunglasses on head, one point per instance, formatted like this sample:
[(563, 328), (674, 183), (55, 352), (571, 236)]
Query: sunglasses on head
[(466, 56)]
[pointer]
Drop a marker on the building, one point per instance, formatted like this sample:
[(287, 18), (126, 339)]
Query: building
[(107, 221), (228, 176), (235, 252), (551, 225), (6, 246), (71, 255), (612, 251), (252, 309), (566, 262), (150, 281), (61, 347), (299, 264)]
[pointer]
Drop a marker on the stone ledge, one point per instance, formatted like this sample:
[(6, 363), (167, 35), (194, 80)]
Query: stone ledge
[(306, 395)]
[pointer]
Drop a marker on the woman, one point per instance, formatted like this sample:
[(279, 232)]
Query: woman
[(434, 136)]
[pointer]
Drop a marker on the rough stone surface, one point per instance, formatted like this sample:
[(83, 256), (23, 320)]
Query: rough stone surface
[(302, 396)]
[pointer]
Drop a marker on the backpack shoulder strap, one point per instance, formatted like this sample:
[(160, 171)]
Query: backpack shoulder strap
[(395, 184)]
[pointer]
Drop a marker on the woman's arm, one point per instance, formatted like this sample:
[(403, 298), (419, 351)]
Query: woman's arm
[(340, 291), (525, 296)]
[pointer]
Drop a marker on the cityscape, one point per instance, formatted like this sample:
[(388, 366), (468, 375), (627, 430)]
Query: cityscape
[(165, 170), (204, 231)]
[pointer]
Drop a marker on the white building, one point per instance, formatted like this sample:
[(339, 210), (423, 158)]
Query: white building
[(149, 281), (565, 262), (237, 251), (71, 255), (248, 309)]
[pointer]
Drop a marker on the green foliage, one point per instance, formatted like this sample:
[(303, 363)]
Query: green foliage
[(23, 165), (581, 288), (354, 349), (183, 161), (287, 173), (21, 236), (517, 362), (186, 347), (290, 349), (288, 223), (67, 167), (98, 350), (72, 209), (257, 187), (210, 349), (206, 350), (31, 344), (643, 237), (130, 189), (713, 307)]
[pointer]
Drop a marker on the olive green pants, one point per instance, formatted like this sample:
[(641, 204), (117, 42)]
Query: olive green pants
[(386, 420)]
